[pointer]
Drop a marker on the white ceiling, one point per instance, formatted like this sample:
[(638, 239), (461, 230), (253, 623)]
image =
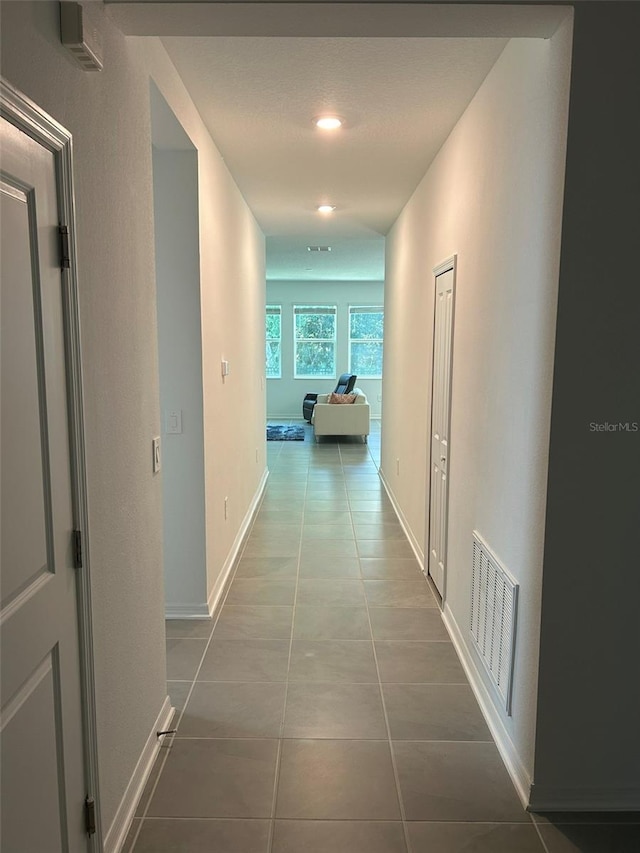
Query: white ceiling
[(400, 99), (400, 73)]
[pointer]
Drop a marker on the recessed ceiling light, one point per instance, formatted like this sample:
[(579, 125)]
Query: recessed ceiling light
[(328, 122), (326, 208)]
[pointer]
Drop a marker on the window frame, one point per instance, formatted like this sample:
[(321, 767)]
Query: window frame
[(329, 310), (273, 309), (366, 309)]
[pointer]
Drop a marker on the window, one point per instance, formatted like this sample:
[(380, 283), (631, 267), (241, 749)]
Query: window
[(366, 333), (314, 334), (274, 342)]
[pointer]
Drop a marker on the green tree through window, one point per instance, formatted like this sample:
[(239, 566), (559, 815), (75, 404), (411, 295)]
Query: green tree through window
[(314, 341), (274, 341), (366, 335)]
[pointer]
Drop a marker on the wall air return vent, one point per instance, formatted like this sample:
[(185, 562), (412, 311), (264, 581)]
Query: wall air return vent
[(80, 36), (318, 248), (494, 606)]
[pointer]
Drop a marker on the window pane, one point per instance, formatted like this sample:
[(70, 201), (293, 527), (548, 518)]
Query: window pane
[(273, 326), (315, 326), (366, 358), (366, 325), (273, 359), (315, 359)]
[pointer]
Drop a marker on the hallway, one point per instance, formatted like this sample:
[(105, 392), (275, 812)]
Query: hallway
[(325, 708)]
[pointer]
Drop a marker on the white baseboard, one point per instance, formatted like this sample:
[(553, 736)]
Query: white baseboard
[(187, 611), (415, 545), (515, 768), (221, 581), (549, 799), (119, 828)]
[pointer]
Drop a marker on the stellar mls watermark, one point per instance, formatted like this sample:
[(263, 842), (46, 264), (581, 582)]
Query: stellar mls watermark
[(614, 426)]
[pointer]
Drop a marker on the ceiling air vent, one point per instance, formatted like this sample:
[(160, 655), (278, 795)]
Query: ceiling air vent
[(318, 248)]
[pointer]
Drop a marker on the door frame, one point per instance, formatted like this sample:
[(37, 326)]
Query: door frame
[(450, 264), (24, 114)]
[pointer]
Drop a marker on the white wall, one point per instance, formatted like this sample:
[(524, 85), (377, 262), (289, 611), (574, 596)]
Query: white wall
[(175, 192), (493, 195), (285, 396), (109, 116)]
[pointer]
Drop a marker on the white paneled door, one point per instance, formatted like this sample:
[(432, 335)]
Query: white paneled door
[(41, 726), (440, 424)]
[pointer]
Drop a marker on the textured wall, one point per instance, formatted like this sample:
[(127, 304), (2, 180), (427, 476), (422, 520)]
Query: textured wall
[(108, 114), (493, 195)]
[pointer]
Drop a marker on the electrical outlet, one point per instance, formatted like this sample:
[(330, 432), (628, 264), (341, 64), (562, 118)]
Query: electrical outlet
[(156, 454)]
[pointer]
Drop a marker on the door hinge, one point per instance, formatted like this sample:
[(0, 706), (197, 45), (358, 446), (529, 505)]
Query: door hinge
[(90, 815), (63, 238), (77, 549)]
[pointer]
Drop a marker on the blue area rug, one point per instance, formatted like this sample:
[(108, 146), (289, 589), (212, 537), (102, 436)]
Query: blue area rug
[(276, 432)]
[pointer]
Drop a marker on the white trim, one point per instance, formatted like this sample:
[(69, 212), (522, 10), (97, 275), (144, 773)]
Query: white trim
[(515, 768), (187, 611), (33, 121), (115, 837), (448, 265), (219, 586), (415, 545), (550, 799)]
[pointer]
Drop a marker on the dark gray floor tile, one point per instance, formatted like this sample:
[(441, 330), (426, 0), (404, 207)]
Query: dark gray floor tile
[(434, 712), (271, 568), (178, 692), (358, 777), (474, 838), (127, 847), (446, 781), (333, 660), (334, 711), (183, 658), (331, 623), (384, 548), (391, 568), (338, 836), (242, 621), (399, 593), (591, 838), (259, 591), (314, 504), (162, 835), (413, 663), (422, 624), (319, 566), (276, 548), (245, 660), (342, 531), (223, 709), (216, 778), (335, 592), (286, 516), (330, 549), (313, 518), (192, 629), (370, 505), (385, 516)]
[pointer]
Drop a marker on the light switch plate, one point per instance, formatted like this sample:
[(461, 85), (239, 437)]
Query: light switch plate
[(173, 422), (156, 454)]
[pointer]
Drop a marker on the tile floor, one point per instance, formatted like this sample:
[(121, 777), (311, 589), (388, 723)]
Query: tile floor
[(325, 709)]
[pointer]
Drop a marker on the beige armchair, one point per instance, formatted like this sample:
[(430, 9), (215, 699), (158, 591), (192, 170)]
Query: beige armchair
[(342, 418)]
